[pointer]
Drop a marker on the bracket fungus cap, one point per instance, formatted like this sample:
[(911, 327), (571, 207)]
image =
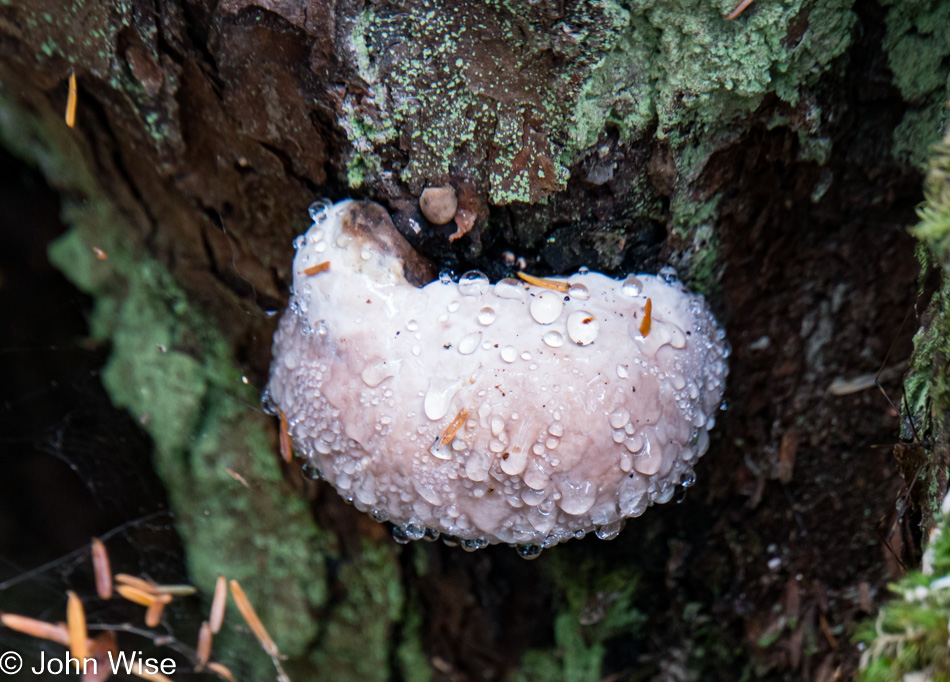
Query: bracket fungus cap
[(521, 412)]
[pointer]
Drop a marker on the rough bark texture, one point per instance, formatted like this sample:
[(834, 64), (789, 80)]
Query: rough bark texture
[(775, 159)]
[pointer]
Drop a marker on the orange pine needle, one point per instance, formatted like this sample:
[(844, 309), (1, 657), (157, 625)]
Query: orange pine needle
[(647, 318), (454, 427), (221, 671), (153, 616), (740, 8), (237, 477), (253, 621), (76, 625), (132, 581), (137, 595), (204, 645), (54, 632), (315, 269), (553, 284), (71, 100), (286, 449), (101, 569), (100, 254), (216, 618)]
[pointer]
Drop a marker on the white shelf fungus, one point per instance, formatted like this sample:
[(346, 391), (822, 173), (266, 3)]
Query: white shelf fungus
[(525, 413)]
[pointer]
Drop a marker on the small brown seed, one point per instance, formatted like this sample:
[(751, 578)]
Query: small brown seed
[(438, 204)]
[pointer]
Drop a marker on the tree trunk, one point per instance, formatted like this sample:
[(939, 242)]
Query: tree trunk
[(775, 159)]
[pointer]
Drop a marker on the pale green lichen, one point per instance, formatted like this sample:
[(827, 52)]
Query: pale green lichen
[(675, 70), (918, 53), (175, 375)]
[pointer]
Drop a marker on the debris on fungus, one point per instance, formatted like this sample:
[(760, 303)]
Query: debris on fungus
[(438, 204), (525, 413)]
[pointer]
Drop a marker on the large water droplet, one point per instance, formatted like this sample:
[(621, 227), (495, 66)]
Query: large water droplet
[(622, 372), (320, 210), (469, 343), (311, 471), (321, 328), (438, 398), (529, 552), (609, 531), (445, 276), (474, 545), (668, 274), (509, 354), (577, 498), (473, 283), (582, 327), (510, 288), (632, 286), (453, 306), (486, 316), (649, 460), (414, 531), (579, 292), (546, 306), (440, 451), (497, 425), (618, 418), (553, 338), (377, 371), (412, 325)]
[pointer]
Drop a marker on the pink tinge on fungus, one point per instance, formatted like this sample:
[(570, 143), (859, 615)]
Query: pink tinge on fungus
[(521, 412)]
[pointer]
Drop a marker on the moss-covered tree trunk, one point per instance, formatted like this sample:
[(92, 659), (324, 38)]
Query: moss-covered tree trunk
[(774, 159)]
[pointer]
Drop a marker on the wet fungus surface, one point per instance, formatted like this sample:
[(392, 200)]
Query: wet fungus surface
[(522, 412)]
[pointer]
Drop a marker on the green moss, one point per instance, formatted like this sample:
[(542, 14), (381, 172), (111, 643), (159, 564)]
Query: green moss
[(357, 632), (910, 633), (412, 660), (695, 227), (928, 380), (595, 605)]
